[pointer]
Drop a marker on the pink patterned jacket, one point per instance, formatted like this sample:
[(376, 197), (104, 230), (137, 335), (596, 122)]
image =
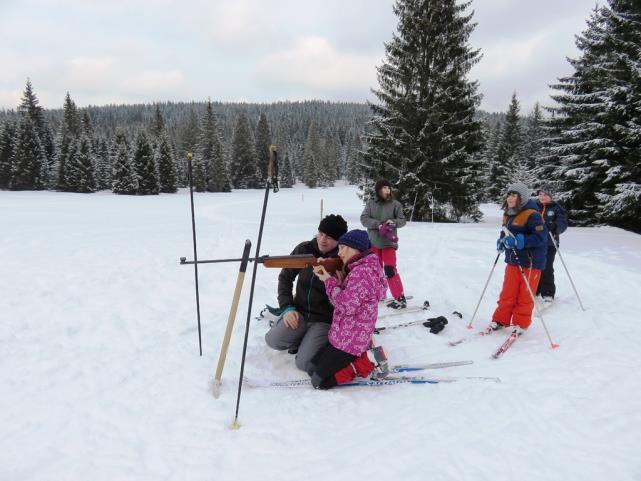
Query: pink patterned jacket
[(356, 304)]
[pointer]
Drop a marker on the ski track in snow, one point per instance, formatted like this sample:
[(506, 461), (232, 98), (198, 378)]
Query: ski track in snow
[(101, 377)]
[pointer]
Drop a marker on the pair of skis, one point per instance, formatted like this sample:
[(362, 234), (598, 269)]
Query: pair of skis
[(514, 335), (389, 380)]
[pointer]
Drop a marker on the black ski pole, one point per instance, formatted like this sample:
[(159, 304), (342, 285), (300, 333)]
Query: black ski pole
[(271, 182), (193, 230)]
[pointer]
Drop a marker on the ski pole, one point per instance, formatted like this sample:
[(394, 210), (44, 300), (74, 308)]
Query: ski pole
[(231, 319), (193, 230), (556, 246), (553, 345), (469, 325), (184, 261), (272, 182)]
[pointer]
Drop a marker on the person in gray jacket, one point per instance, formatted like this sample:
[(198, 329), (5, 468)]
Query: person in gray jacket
[(382, 216)]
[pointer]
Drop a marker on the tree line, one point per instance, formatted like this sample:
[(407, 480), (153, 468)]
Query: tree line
[(426, 133), (142, 149)]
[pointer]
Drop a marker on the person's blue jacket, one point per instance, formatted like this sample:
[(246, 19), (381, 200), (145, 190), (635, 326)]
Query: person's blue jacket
[(555, 219), (527, 221)]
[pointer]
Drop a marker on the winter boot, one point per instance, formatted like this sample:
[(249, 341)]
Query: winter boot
[(495, 326), (400, 303), (378, 358)]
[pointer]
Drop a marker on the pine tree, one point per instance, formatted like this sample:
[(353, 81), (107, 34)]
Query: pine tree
[(354, 169), (492, 190), (263, 141), (7, 134), (158, 123), (80, 171), (243, 168), (210, 154), (285, 172), (124, 179), (620, 195), (103, 165), (425, 134), (532, 145), (580, 143), (312, 157), (29, 107), (28, 160), (69, 133), (510, 148), (144, 166), (166, 165)]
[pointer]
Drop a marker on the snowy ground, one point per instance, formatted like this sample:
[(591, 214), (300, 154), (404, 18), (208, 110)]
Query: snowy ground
[(101, 379)]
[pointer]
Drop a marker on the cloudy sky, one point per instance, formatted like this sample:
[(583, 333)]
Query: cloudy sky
[(132, 51)]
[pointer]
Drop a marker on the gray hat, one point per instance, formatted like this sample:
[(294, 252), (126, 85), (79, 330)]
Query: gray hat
[(522, 190), (546, 189)]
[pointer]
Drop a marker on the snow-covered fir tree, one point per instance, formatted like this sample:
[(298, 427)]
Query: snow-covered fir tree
[(103, 165), (425, 133), (7, 134), (581, 143), (144, 166), (509, 151), (66, 143), (166, 165), (124, 180), (30, 107), (285, 171), (28, 161), (243, 169), (354, 168), (528, 168), (312, 157), (332, 150), (80, 176), (157, 127), (210, 153), (620, 195), (263, 141)]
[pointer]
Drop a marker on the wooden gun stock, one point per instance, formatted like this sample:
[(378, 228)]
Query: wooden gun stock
[(331, 264)]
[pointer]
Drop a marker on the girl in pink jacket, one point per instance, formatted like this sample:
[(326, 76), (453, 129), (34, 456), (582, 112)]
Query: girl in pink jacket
[(355, 295)]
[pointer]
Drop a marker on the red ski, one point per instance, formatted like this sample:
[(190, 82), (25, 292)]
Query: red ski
[(507, 344)]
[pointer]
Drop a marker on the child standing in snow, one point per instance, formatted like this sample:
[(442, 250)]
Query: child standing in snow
[(525, 250), (355, 295)]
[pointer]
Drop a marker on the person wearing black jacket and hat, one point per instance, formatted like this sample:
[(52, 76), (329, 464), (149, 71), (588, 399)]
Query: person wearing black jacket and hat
[(306, 313), (556, 221)]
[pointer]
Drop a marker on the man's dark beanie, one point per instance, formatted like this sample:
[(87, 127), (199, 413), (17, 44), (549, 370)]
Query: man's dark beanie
[(333, 226), (380, 183)]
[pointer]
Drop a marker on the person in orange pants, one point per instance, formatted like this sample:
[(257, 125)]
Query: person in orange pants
[(525, 253)]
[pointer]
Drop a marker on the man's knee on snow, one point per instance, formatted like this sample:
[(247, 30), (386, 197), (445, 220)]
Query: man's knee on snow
[(273, 340), (389, 271)]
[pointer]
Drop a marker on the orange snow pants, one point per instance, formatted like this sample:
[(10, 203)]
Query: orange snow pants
[(515, 303)]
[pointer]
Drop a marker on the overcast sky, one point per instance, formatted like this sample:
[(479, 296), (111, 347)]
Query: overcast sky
[(133, 51)]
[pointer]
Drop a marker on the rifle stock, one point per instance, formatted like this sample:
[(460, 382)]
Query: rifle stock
[(331, 264)]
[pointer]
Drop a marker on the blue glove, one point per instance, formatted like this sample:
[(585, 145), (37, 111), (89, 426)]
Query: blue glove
[(499, 245), (516, 242)]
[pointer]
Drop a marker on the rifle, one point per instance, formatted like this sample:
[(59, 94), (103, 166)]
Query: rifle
[(296, 261), (299, 261)]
